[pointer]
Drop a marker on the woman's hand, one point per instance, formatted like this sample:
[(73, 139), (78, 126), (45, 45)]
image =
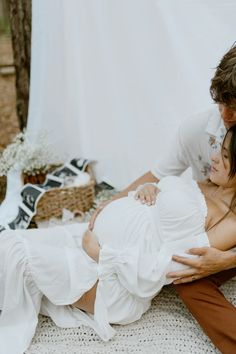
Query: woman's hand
[(91, 245), (95, 214), (147, 194)]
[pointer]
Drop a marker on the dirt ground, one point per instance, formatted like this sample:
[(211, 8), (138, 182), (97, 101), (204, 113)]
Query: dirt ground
[(8, 120)]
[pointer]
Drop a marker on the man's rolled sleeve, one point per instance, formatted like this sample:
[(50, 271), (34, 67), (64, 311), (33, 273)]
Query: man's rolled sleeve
[(175, 161)]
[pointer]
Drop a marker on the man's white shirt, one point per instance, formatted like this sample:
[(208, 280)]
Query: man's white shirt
[(197, 139)]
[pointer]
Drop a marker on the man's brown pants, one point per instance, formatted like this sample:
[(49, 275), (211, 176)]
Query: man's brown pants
[(214, 313)]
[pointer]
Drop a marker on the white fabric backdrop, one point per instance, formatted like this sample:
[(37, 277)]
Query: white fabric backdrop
[(112, 79)]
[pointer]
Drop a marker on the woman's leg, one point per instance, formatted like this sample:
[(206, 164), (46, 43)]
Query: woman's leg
[(87, 301), (215, 314), (92, 248)]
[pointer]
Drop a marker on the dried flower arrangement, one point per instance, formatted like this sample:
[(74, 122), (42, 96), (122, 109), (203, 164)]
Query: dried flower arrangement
[(31, 158)]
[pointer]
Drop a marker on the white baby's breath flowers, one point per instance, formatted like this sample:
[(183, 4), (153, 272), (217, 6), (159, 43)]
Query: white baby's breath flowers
[(30, 157)]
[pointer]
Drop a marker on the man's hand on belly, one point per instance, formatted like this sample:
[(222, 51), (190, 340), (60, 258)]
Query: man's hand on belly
[(211, 261)]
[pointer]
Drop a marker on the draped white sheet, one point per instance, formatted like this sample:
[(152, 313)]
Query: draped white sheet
[(112, 79)]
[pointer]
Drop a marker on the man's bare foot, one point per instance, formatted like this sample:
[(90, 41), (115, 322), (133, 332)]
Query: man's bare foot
[(91, 245)]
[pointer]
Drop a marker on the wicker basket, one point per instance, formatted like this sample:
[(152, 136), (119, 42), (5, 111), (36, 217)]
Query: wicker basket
[(75, 199)]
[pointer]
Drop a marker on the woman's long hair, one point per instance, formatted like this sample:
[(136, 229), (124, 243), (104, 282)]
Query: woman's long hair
[(232, 161), (232, 171)]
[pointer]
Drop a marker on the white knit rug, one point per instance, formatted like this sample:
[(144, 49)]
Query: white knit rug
[(166, 328)]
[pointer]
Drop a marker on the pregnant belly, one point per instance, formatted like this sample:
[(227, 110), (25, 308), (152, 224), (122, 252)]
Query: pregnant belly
[(123, 223)]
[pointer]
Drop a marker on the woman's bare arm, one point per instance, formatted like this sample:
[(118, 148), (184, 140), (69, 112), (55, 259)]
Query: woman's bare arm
[(146, 178)]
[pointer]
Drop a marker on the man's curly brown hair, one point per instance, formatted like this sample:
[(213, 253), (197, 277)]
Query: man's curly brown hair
[(223, 84)]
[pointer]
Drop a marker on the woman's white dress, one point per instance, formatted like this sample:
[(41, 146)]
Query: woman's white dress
[(46, 270)]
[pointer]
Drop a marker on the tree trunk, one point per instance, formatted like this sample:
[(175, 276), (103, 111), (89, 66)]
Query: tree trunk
[(20, 22)]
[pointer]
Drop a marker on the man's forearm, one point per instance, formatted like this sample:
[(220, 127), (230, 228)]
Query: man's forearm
[(146, 178)]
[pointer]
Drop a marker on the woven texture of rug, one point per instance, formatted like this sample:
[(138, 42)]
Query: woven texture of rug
[(167, 327)]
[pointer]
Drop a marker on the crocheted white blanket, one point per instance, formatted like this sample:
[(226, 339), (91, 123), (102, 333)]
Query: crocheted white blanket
[(166, 328)]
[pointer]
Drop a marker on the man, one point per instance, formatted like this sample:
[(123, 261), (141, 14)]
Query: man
[(197, 138)]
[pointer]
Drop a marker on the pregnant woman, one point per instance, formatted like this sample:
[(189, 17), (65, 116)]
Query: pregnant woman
[(110, 275)]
